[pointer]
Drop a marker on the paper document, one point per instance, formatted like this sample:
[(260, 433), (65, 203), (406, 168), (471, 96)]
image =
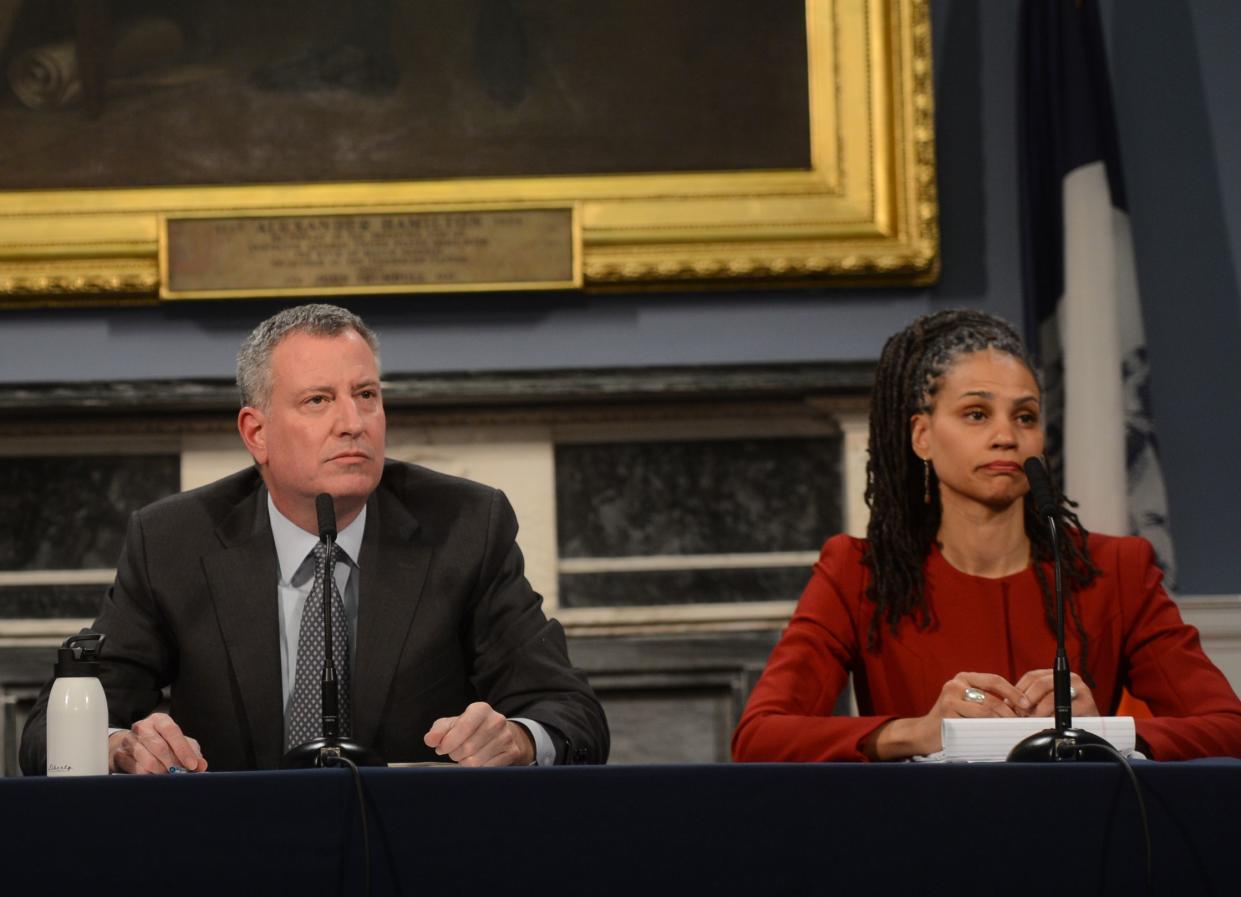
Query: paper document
[(981, 740)]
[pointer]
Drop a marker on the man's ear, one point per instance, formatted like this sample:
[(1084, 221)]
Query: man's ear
[(920, 435), (251, 424)]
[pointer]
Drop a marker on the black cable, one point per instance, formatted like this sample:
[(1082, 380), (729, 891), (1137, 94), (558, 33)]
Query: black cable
[(1137, 791), (366, 838)]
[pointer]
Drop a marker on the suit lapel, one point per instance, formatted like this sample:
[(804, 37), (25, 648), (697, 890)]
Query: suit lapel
[(242, 578), (393, 569)]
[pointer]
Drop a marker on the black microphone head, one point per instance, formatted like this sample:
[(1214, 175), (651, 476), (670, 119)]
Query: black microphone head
[(327, 515), (1040, 487)]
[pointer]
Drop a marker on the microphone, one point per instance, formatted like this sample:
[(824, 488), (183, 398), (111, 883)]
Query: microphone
[(330, 749), (1044, 495), (1063, 742), (329, 704), (325, 510)]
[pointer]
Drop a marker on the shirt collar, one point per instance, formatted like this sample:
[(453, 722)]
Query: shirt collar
[(293, 543)]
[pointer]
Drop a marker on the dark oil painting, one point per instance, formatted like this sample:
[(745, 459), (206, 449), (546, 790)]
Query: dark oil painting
[(100, 94)]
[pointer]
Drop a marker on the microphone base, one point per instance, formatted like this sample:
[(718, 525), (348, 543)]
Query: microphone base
[(327, 752), (1059, 746)]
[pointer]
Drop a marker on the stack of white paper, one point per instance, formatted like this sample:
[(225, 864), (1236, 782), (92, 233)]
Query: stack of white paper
[(975, 740)]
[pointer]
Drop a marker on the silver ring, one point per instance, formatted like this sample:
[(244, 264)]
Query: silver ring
[(1072, 692), (974, 695)]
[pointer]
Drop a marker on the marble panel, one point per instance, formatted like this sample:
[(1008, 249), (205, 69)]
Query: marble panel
[(66, 513), (676, 698), (50, 601), (647, 588), (669, 726), (697, 497)]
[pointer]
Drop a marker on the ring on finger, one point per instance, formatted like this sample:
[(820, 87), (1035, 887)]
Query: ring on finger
[(1072, 692), (974, 695)]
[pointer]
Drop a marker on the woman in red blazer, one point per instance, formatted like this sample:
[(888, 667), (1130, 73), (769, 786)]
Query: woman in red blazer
[(945, 609)]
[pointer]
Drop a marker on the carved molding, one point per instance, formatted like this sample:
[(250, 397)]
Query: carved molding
[(921, 266), (1217, 618), (452, 399), (77, 281), (923, 114)]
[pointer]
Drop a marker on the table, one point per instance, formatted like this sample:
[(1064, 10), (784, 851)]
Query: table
[(753, 830)]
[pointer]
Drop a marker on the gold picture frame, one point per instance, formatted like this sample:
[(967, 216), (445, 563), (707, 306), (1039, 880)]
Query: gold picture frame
[(864, 212)]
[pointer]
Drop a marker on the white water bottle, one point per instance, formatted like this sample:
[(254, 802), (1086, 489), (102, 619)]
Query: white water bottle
[(77, 711)]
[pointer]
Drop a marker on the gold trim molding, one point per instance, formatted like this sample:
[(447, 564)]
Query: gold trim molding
[(73, 279)]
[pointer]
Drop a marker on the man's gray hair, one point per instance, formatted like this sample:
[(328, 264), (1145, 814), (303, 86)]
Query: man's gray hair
[(319, 319)]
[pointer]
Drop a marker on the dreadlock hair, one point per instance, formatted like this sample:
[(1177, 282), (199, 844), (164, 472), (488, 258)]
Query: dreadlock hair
[(903, 524)]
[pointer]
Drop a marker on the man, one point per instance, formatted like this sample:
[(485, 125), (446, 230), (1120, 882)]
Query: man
[(448, 653)]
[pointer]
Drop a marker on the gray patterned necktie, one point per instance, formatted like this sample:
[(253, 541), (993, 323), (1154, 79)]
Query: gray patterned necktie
[(304, 721)]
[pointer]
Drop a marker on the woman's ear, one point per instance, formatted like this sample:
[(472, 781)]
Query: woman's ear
[(920, 435)]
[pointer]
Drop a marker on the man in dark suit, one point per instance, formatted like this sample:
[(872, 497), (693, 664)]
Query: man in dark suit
[(448, 655)]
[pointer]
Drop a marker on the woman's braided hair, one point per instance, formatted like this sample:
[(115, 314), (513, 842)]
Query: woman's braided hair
[(902, 525)]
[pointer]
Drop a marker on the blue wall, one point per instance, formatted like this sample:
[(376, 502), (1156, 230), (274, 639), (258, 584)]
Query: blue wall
[(1178, 82), (1177, 79)]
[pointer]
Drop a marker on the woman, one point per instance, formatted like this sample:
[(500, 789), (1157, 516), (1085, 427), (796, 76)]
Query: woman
[(955, 575)]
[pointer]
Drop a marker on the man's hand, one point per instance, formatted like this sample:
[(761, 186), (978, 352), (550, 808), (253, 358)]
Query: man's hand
[(481, 737), (152, 745)]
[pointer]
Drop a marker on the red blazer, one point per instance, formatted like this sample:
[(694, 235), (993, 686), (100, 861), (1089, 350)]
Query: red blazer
[(1137, 640)]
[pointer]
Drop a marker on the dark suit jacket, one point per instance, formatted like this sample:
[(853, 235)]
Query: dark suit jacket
[(445, 617)]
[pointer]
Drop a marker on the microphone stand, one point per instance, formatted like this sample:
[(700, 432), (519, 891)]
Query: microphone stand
[(1063, 742), (330, 748)]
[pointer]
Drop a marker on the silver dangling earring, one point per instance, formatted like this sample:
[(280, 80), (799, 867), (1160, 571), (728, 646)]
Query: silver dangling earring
[(926, 481)]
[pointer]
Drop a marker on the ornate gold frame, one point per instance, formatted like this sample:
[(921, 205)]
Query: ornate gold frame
[(865, 212)]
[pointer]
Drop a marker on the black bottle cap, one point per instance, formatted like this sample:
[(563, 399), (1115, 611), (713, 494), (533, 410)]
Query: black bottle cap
[(79, 655)]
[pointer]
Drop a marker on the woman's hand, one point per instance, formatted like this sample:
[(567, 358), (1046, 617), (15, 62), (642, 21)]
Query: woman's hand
[(1038, 688), (989, 696)]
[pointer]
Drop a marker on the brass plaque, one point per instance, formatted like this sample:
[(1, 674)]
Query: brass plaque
[(416, 251)]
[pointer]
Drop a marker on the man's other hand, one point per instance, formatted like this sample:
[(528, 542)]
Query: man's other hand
[(154, 745), (481, 736)]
